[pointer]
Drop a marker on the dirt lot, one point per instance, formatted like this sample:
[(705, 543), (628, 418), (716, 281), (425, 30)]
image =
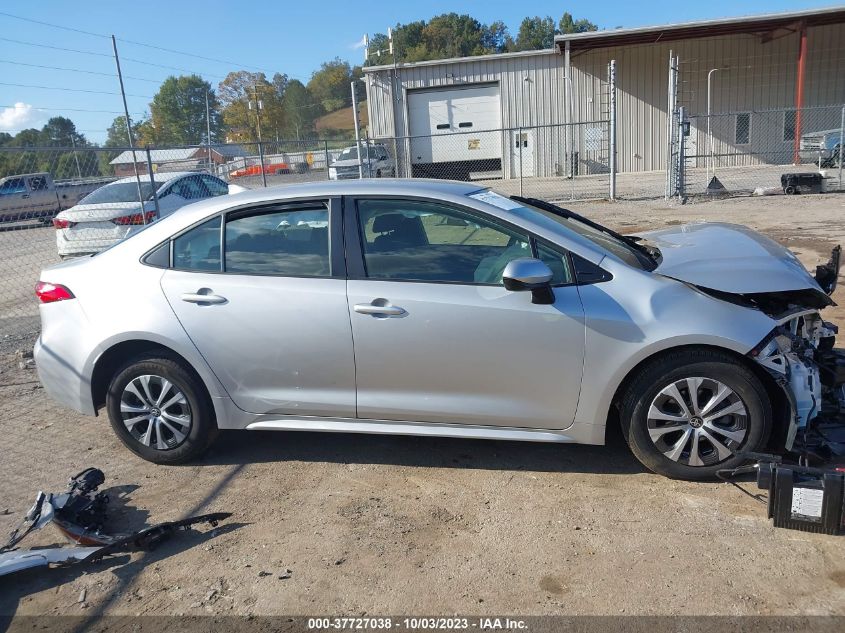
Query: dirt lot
[(382, 525)]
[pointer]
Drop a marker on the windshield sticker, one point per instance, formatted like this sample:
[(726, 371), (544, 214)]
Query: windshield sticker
[(497, 200)]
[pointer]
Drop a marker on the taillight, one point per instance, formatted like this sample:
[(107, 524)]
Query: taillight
[(62, 224), (135, 218), (49, 293)]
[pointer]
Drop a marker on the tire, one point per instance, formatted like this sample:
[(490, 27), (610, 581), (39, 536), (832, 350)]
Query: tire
[(169, 441), (746, 421)]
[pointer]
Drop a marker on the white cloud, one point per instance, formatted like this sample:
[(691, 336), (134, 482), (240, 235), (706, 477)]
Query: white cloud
[(19, 116), (360, 43)]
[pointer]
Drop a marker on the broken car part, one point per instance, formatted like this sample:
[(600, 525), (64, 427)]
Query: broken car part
[(80, 514)]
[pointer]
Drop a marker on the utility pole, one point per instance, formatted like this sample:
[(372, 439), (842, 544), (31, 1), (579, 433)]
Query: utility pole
[(258, 106), (208, 128), (357, 135), (129, 132), (75, 157)]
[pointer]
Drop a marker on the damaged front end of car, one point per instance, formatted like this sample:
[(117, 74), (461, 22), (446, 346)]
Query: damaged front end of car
[(799, 354)]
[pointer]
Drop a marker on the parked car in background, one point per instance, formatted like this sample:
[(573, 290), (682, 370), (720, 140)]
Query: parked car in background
[(269, 169), (37, 196), (112, 212), (439, 308), (822, 147), (375, 162)]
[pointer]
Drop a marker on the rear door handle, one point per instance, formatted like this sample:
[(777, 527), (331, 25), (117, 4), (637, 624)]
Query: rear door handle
[(379, 310), (200, 297)]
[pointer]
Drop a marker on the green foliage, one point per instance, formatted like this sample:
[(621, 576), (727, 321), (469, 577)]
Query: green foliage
[(300, 109), (454, 35), (568, 25), (241, 88), (178, 113), (329, 85)]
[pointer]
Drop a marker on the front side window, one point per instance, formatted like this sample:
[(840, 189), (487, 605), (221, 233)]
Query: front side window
[(426, 241), (15, 185), (558, 263), (291, 242), (199, 248)]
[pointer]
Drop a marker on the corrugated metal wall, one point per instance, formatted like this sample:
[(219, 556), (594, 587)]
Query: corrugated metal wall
[(755, 75)]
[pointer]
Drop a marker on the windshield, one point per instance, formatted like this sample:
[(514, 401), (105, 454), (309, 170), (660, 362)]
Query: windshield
[(554, 217), (119, 192), (350, 153)]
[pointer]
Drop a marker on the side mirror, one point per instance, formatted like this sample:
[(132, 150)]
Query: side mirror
[(527, 273)]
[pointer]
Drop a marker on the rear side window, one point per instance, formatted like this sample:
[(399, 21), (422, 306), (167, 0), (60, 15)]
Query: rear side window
[(215, 186), (190, 188), (290, 242), (199, 248)]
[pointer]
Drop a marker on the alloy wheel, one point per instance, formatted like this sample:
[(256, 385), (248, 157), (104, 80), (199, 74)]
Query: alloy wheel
[(697, 421), (155, 412)]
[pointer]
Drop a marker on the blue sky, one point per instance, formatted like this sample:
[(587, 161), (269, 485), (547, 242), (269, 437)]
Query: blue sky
[(289, 37)]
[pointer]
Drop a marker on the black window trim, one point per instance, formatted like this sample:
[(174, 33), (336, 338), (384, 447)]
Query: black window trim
[(355, 248), (337, 260)]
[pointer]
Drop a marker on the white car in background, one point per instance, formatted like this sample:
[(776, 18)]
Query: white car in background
[(111, 213)]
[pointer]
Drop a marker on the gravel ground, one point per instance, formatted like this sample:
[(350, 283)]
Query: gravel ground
[(381, 525)]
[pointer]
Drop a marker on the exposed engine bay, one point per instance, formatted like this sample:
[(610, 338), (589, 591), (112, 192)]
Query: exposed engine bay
[(799, 353)]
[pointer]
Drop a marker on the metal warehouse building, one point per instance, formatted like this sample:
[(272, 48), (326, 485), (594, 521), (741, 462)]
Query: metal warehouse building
[(770, 80)]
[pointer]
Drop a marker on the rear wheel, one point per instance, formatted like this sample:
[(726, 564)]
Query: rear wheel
[(160, 410), (688, 413)]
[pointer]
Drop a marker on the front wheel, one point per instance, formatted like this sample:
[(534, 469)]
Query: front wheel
[(160, 410), (688, 414)]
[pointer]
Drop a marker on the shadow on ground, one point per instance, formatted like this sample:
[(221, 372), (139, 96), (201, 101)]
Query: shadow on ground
[(244, 447)]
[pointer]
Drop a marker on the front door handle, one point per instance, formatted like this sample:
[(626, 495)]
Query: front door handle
[(379, 307), (203, 297)]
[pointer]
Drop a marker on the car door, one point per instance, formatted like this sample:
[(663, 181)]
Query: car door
[(438, 338), (14, 198), (269, 315), (41, 199)]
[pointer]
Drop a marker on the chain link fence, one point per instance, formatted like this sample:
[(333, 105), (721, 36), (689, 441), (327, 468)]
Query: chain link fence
[(743, 153)]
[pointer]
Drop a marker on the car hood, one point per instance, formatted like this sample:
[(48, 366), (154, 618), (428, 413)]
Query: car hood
[(728, 258), (104, 211), (349, 162)]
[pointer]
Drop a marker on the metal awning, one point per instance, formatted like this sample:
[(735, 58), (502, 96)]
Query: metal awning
[(762, 25)]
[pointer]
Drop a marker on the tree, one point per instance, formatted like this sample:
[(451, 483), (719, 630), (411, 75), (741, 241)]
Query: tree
[(568, 25), (27, 138), (240, 88), (535, 34), (329, 85), (496, 38), (61, 132), (178, 112), (300, 110)]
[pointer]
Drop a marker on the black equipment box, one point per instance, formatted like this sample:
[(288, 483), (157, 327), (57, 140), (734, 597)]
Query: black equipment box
[(806, 499), (801, 183)]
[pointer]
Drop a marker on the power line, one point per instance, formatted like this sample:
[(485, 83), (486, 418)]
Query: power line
[(144, 44), (65, 28), (96, 92), (74, 70), (96, 54)]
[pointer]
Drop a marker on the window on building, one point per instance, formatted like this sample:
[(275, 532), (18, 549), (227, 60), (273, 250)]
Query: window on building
[(743, 128), (789, 125)]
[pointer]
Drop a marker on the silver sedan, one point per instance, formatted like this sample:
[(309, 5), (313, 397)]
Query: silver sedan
[(418, 307)]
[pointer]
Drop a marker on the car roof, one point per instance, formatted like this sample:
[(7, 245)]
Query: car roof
[(385, 186)]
